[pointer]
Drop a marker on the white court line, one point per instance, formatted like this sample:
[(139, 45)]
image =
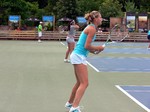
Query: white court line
[(135, 100), (139, 91), (92, 66), (62, 43)]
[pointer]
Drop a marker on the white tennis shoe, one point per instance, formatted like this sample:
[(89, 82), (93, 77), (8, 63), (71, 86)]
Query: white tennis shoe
[(66, 61), (77, 109), (68, 105)]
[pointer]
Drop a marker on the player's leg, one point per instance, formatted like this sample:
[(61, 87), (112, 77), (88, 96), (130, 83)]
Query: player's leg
[(68, 105), (82, 75), (67, 52), (72, 45), (39, 36)]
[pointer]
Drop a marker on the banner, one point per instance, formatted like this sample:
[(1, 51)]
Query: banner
[(130, 20), (14, 18), (143, 22), (48, 23), (81, 20), (48, 18)]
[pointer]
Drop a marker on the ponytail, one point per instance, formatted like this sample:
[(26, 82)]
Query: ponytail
[(91, 16)]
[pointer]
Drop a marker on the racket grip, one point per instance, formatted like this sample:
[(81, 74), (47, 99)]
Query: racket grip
[(96, 52), (103, 45)]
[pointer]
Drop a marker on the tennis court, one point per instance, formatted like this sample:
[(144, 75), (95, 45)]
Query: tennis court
[(34, 78), (139, 94), (126, 59)]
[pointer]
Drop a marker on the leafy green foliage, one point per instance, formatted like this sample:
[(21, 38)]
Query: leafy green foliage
[(83, 6), (69, 8), (66, 8), (130, 7), (18, 7), (111, 9)]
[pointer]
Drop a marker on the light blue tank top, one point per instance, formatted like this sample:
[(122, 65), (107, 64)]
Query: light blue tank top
[(80, 49)]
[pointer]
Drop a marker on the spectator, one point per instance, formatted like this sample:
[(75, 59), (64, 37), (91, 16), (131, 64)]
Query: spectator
[(40, 32)]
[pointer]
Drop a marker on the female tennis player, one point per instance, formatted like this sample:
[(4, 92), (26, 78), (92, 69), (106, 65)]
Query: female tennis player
[(70, 39), (78, 59)]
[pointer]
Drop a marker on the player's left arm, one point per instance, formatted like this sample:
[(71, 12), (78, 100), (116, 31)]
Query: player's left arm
[(90, 31)]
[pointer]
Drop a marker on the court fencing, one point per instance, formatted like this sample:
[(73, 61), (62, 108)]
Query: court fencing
[(58, 36)]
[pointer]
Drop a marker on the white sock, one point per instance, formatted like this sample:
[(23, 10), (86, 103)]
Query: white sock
[(68, 103)]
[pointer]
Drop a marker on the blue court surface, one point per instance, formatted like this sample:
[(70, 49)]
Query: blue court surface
[(128, 51), (126, 48), (139, 94), (119, 64), (122, 57)]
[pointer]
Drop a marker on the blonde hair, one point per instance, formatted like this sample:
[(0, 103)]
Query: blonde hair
[(91, 16)]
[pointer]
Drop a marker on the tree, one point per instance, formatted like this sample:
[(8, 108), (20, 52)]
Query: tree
[(42, 3), (145, 6), (18, 7), (83, 6), (130, 7), (50, 8), (141, 5), (66, 8), (111, 9), (69, 8)]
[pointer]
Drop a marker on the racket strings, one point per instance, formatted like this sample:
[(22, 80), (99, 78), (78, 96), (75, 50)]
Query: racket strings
[(119, 34)]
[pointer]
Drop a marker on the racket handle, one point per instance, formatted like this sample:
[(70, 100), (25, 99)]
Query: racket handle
[(96, 52), (103, 45)]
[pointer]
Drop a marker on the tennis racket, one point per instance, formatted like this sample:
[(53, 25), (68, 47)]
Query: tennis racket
[(117, 34)]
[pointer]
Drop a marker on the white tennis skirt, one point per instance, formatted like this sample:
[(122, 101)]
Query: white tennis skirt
[(77, 59)]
